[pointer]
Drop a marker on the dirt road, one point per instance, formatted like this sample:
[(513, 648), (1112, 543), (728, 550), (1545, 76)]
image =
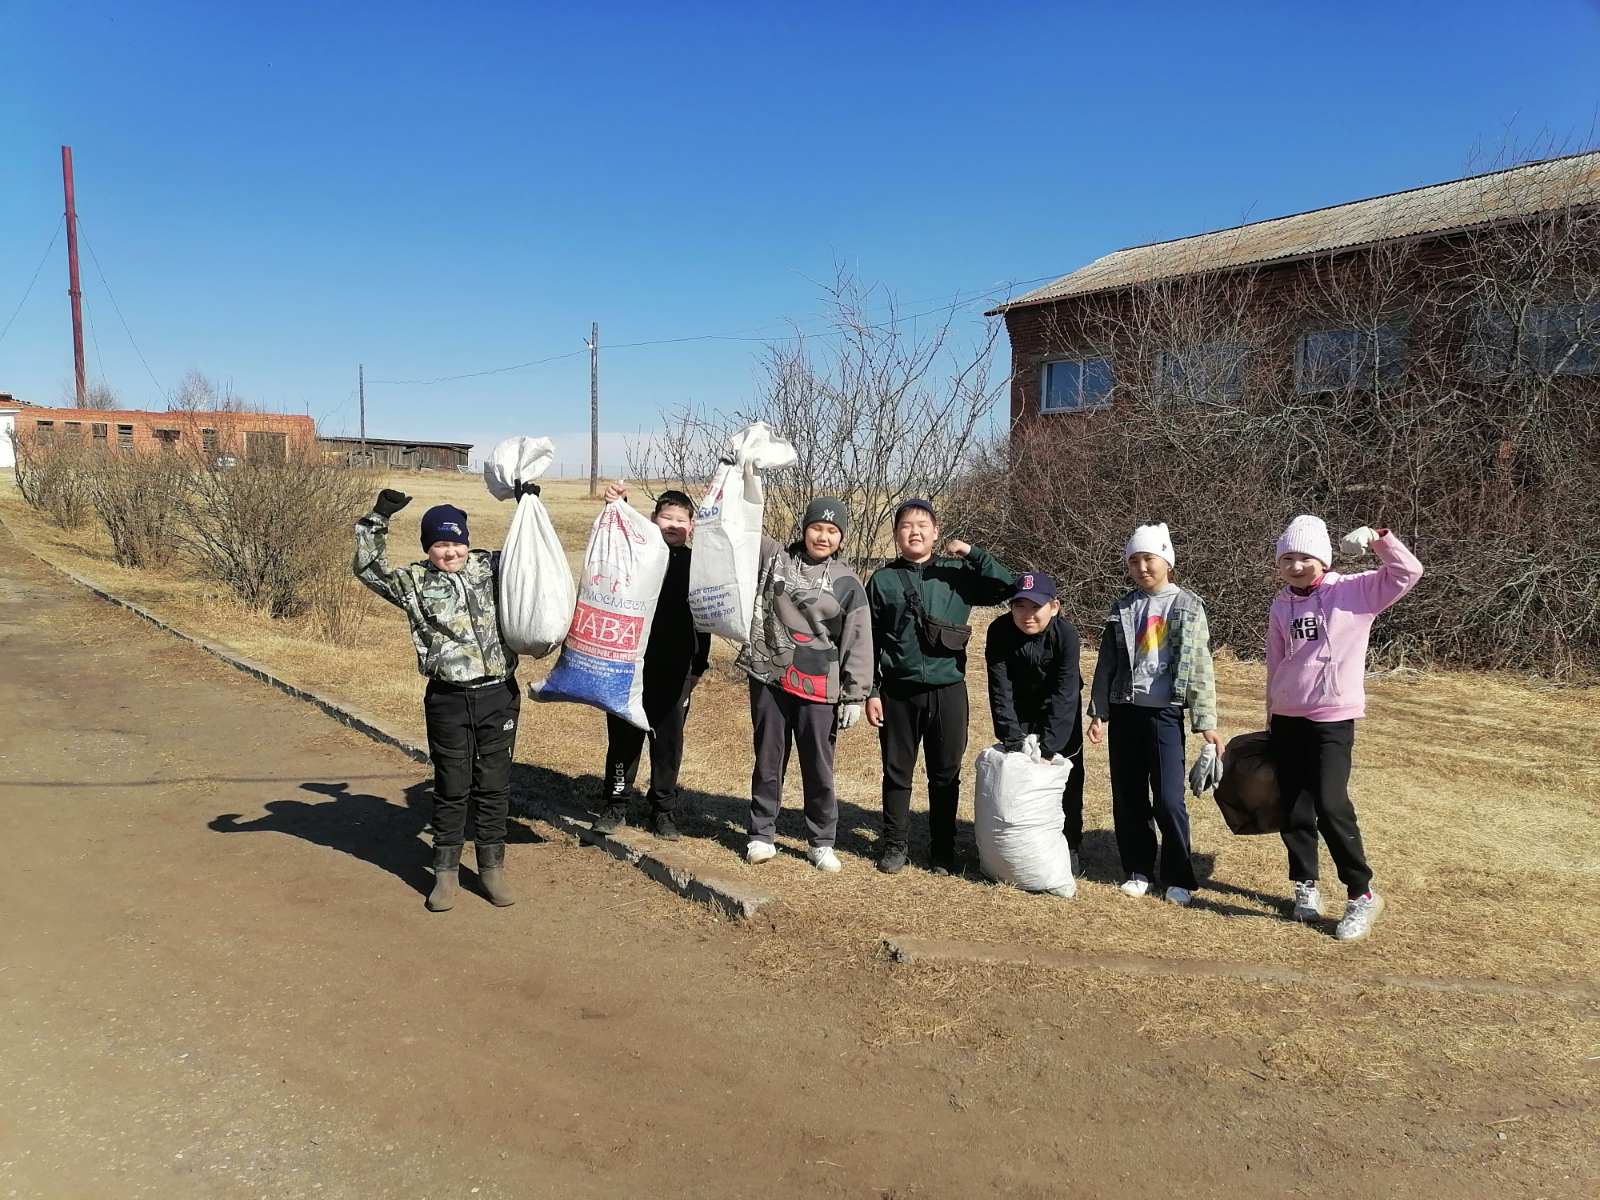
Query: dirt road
[(218, 979)]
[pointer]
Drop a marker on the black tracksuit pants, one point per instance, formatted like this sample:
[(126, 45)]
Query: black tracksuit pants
[(1146, 752), (1312, 759), (935, 719), (666, 708), (471, 733)]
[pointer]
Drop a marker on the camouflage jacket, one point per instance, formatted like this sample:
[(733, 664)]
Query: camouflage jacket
[(454, 624)]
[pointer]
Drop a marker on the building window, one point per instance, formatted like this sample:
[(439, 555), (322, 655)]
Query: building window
[(1073, 384), (97, 432), (1345, 360), (44, 432), (265, 447), (124, 437), (1207, 373), (167, 439), (73, 429), (1553, 339), (208, 440)]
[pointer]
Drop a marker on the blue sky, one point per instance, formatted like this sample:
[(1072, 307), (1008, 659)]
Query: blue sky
[(276, 193)]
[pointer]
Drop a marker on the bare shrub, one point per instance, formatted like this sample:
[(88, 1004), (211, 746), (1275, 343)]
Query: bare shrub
[(53, 476), (269, 529), (138, 497), (338, 606)]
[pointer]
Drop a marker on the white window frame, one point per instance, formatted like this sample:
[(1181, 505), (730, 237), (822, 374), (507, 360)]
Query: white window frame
[(1079, 405)]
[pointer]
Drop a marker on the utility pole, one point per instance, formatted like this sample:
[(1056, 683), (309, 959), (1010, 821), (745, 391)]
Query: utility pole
[(73, 289), (361, 386), (594, 408)]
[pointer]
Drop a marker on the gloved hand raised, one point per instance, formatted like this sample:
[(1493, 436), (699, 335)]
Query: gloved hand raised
[(849, 714), (390, 502), (1358, 540)]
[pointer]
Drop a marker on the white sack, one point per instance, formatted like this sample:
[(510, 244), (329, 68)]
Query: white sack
[(1017, 817), (727, 533), (535, 592), (602, 663)]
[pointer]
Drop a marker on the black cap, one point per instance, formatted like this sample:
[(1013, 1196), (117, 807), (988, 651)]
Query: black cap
[(1035, 586), (915, 502)]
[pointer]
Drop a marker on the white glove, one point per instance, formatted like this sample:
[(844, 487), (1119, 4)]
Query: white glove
[(849, 714), (1358, 540), (1206, 773)]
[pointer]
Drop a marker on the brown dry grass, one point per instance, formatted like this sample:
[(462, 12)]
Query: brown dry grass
[(1479, 795)]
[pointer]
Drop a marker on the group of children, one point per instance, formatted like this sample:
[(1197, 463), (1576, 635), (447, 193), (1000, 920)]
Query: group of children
[(824, 651)]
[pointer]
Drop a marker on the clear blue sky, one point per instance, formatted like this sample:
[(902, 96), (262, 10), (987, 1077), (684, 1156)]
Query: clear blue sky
[(277, 192)]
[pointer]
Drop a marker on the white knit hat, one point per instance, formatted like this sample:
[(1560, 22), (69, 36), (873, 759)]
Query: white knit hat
[(1307, 535), (1151, 539)]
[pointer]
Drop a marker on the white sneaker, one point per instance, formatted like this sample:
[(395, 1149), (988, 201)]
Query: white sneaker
[(1359, 915), (1307, 900), (1179, 896), (1138, 885), (824, 859), (759, 852)]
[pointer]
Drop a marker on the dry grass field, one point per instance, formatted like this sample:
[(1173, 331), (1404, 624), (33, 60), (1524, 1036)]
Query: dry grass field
[(1479, 798)]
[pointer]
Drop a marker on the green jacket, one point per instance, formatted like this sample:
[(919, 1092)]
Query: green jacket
[(454, 623), (948, 587), (1194, 682)]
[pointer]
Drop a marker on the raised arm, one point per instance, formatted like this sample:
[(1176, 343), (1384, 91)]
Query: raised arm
[(371, 563)]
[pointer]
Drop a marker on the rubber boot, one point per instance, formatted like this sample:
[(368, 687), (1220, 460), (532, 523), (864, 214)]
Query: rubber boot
[(492, 874), (446, 878)]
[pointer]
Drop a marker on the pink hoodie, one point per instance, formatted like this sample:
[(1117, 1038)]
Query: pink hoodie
[(1317, 644)]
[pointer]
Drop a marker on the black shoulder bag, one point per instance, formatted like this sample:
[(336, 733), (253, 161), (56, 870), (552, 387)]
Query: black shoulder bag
[(937, 637)]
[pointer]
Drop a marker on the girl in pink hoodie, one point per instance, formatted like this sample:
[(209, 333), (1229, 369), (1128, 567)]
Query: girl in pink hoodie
[(1316, 691)]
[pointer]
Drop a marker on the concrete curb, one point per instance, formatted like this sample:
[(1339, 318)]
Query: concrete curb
[(655, 860), (666, 868), (905, 949)]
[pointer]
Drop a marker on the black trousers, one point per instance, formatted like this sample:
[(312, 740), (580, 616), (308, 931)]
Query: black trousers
[(471, 733), (1146, 751), (781, 722), (936, 720), (666, 708), (1313, 764)]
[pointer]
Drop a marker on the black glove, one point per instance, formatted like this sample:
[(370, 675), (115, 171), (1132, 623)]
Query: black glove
[(527, 489), (390, 502), (1014, 745)]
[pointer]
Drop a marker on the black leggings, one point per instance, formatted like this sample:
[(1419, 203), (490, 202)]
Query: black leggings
[(1313, 764)]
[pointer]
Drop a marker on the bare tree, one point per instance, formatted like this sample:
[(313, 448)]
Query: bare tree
[(879, 407)]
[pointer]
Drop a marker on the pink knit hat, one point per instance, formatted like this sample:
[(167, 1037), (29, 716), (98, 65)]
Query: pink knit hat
[(1306, 535)]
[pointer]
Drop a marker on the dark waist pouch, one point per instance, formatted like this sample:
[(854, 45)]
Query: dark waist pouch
[(937, 637)]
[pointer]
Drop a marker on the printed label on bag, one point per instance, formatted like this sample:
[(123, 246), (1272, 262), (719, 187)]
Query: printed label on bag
[(605, 634)]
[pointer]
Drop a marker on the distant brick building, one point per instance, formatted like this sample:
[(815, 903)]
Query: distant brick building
[(243, 436)]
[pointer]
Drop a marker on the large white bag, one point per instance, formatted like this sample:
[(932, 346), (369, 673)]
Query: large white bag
[(1017, 817), (535, 592), (727, 533), (602, 662)]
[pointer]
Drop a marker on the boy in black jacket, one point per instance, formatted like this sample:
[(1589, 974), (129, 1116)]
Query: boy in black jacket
[(674, 659), (1035, 687)]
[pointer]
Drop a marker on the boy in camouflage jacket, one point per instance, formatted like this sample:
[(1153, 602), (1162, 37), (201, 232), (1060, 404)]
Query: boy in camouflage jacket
[(472, 702)]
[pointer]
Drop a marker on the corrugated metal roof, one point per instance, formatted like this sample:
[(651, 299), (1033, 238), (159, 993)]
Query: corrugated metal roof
[(1438, 208)]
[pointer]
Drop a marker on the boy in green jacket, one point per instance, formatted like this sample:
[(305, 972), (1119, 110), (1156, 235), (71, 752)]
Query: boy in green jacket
[(920, 603)]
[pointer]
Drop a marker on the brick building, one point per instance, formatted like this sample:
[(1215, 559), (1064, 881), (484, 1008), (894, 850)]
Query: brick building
[(237, 435), (1333, 300)]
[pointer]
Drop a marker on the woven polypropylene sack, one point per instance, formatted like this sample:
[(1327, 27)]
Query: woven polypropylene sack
[(602, 662), (1017, 819), (727, 533), (1248, 794), (534, 592)]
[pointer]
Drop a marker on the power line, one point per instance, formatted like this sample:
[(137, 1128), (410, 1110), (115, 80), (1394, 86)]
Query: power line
[(35, 278), (724, 337), (95, 258)]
